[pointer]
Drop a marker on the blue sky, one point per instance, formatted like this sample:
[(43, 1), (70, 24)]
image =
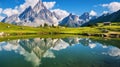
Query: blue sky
[(73, 6), (81, 6)]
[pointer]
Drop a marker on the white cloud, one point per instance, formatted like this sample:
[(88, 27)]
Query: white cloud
[(93, 13), (113, 52), (19, 9), (1, 17), (27, 3), (7, 46), (49, 5), (113, 6), (92, 45), (105, 5), (10, 11), (61, 13)]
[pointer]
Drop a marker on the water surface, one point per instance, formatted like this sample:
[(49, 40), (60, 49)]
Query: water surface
[(65, 52)]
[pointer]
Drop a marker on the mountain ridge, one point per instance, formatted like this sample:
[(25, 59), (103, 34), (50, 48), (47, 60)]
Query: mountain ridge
[(36, 16), (40, 15), (76, 21), (113, 17)]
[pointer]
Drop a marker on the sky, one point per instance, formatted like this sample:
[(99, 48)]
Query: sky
[(62, 7)]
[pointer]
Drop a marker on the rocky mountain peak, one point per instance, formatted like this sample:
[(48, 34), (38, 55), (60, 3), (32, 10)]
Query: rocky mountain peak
[(36, 16), (28, 12), (70, 14), (71, 21), (85, 16), (39, 6)]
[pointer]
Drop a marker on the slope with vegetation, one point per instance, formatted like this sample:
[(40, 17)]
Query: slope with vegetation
[(93, 30)]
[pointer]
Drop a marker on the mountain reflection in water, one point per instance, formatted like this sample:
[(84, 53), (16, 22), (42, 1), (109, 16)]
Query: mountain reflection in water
[(66, 52)]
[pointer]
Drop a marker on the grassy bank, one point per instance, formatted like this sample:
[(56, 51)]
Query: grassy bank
[(8, 38), (24, 30)]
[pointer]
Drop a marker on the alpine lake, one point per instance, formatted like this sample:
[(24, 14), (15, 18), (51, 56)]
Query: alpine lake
[(71, 51)]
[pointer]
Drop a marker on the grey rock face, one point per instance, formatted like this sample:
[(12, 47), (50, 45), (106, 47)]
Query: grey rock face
[(71, 21), (36, 16)]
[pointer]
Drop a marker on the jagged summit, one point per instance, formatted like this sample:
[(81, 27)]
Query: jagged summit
[(39, 6), (36, 16), (87, 17), (71, 21), (76, 21)]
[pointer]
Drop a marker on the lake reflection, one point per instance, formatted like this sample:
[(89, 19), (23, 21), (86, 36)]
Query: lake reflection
[(66, 52)]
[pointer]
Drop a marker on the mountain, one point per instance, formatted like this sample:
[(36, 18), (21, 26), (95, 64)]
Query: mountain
[(77, 21), (87, 17), (114, 17), (58, 16), (12, 19), (36, 16), (27, 15), (71, 21), (40, 15)]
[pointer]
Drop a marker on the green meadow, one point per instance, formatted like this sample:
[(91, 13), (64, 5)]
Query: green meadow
[(25, 30)]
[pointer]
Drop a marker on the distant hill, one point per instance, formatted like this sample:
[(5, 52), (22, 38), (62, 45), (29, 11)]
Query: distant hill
[(114, 17)]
